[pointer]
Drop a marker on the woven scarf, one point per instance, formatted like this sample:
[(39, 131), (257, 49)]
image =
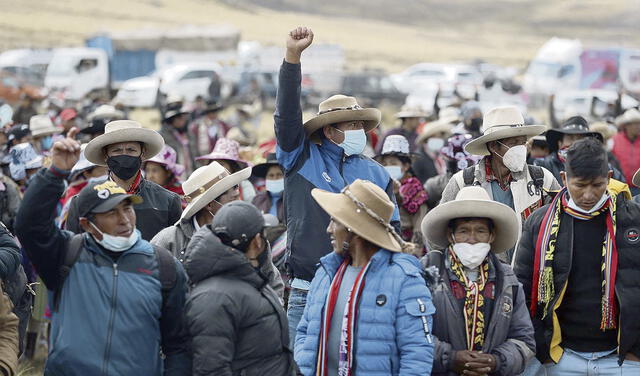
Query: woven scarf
[(350, 314), (473, 301), (543, 290)]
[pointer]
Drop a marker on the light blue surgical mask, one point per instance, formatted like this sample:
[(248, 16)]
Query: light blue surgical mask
[(354, 141), (117, 243), (395, 172), (46, 143), (274, 186)]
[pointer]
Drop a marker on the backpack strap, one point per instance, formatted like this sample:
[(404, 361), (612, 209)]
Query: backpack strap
[(166, 270), (70, 257), (537, 174), (468, 175)]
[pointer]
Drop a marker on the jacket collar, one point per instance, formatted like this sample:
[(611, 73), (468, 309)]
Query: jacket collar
[(334, 151), (332, 261), (139, 247)]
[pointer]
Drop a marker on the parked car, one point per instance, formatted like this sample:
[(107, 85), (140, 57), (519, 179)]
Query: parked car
[(429, 74), (371, 88)]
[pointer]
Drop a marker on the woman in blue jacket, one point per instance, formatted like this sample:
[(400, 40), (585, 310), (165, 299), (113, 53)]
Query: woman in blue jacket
[(368, 311)]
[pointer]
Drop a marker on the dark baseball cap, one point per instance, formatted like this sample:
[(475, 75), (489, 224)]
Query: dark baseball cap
[(18, 131), (100, 197), (237, 223)]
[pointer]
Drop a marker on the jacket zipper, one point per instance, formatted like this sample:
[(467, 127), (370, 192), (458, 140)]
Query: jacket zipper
[(114, 292)]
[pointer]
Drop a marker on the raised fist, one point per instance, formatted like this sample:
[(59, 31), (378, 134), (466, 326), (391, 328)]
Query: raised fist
[(298, 40)]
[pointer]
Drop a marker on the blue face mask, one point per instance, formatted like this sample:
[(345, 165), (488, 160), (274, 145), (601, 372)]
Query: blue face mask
[(354, 142), (274, 186), (46, 143), (394, 171)]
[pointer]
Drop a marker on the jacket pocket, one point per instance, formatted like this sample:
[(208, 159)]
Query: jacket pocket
[(422, 309)]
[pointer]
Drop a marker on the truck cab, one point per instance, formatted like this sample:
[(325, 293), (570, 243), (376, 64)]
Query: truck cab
[(77, 72)]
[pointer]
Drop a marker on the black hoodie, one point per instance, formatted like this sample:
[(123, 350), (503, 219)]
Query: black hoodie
[(235, 319)]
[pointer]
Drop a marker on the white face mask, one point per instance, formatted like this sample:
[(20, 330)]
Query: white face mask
[(274, 186), (515, 158), (394, 171), (471, 255), (435, 144), (354, 142), (572, 204), (116, 243)]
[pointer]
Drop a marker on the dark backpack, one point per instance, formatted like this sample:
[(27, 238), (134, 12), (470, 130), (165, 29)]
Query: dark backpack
[(166, 268), (536, 173), (17, 288)]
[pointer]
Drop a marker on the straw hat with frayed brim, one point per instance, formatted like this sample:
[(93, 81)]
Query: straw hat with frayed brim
[(344, 208), (42, 126), (501, 123), (433, 128), (208, 183), (636, 179), (340, 108), (472, 202), (123, 131)]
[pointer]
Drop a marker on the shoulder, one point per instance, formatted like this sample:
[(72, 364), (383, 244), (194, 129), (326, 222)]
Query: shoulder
[(408, 264), (165, 236), (150, 186)]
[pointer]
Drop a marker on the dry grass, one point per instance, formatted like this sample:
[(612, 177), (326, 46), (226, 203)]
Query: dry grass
[(502, 31)]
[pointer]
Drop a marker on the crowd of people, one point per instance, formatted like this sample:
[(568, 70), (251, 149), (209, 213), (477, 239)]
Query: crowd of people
[(458, 243)]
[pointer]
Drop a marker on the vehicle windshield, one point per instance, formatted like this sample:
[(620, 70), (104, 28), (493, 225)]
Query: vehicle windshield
[(544, 69), (62, 65)]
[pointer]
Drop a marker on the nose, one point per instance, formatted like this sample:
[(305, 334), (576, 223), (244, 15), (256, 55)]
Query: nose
[(330, 228)]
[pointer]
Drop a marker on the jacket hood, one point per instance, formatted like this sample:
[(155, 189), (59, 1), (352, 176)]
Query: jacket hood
[(206, 257)]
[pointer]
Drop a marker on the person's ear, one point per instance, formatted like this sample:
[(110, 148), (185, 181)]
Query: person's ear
[(609, 176), (492, 237), (563, 176), (328, 131), (87, 227)]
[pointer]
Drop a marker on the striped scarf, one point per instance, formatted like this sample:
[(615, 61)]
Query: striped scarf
[(543, 290), (350, 314), (473, 301)]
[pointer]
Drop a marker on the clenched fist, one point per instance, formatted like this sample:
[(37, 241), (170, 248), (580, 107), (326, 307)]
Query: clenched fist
[(298, 40)]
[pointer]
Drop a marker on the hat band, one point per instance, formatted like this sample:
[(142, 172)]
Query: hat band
[(190, 197), (354, 107), (506, 126), (361, 206)]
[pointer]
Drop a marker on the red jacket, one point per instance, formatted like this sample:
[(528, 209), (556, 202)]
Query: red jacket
[(627, 153)]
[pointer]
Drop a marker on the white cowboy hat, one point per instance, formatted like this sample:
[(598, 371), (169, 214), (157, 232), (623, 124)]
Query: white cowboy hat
[(365, 209), (449, 115), (500, 123), (206, 184), (106, 111), (433, 128), (41, 126), (631, 115), (472, 202), (635, 180), (123, 131), (339, 108), (411, 112)]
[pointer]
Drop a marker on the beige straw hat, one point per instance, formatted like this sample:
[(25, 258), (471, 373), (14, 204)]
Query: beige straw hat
[(123, 131), (340, 108)]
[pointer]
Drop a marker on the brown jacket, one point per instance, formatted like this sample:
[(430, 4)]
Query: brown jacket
[(8, 337)]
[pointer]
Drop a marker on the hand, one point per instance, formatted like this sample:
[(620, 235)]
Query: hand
[(298, 40), (482, 364), (461, 359), (65, 153)]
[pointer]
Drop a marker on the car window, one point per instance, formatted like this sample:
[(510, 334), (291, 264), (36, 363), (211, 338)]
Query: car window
[(427, 73), (197, 74)]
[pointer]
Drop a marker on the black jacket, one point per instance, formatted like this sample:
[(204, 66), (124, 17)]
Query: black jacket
[(235, 319), (423, 166), (160, 208), (627, 281), (262, 201), (553, 164)]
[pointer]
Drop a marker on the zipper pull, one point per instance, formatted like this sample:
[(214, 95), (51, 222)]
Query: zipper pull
[(115, 269)]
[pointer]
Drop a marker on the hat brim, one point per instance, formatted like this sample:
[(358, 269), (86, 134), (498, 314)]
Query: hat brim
[(436, 223), (46, 132), (433, 129), (170, 115), (555, 135), (260, 170), (479, 145), (223, 157), (113, 201), (636, 179), (152, 140), (370, 116), (215, 191), (409, 115), (342, 209)]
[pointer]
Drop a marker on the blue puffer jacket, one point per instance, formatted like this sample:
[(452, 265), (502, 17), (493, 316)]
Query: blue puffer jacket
[(111, 318), (390, 338), (309, 165)]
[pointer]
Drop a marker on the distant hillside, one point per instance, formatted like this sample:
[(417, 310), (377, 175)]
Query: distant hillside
[(381, 33)]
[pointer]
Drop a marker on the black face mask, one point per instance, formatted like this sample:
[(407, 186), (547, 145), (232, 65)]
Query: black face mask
[(124, 166), (475, 124)]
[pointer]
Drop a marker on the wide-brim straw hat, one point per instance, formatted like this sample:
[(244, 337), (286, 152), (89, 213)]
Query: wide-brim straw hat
[(123, 131), (472, 202), (501, 123), (340, 108), (631, 115), (407, 112), (106, 111), (636, 179), (42, 126), (206, 184), (433, 128), (365, 209), (606, 131)]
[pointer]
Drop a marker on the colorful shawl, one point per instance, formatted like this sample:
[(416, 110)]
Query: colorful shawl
[(543, 290), (413, 194)]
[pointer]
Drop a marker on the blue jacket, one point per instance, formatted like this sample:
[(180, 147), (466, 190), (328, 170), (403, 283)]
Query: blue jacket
[(390, 338), (307, 166), (111, 318)]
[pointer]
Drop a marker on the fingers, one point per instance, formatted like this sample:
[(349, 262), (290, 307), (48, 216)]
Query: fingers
[(72, 133), (67, 145), (301, 33)]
